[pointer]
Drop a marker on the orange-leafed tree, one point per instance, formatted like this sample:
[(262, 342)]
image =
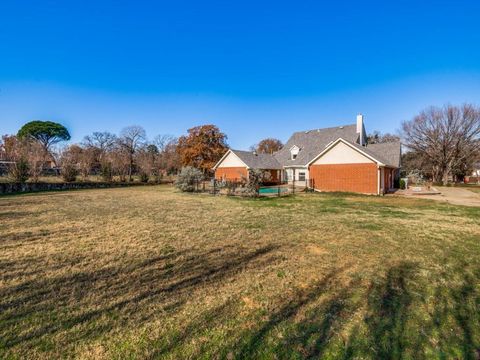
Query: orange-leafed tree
[(202, 147), (268, 146)]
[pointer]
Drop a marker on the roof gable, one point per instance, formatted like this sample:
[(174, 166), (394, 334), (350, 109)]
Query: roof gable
[(312, 142), (233, 160), (361, 149), (342, 153)]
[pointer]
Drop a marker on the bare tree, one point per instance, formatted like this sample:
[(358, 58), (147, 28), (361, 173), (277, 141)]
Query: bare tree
[(146, 158), (104, 141), (68, 159), (448, 137), (14, 150), (162, 141), (131, 138), (26, 156), (84, 158), (377, 137), (101, 143), (168, 159), (36, 159), (119, 161)]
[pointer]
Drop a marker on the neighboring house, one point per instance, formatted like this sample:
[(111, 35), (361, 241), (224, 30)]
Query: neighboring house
[(331, 159), (475, 176), (476, 170)]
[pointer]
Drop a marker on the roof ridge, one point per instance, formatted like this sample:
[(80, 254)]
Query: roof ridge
[(251, 152), (327, 128)]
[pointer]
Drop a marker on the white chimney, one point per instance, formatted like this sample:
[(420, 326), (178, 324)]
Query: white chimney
[(360, 128)]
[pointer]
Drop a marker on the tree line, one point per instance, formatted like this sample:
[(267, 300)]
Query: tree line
[(442, 143), (29, 153), (32, 151)]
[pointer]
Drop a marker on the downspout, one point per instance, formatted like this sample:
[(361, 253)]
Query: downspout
[(379, 178)]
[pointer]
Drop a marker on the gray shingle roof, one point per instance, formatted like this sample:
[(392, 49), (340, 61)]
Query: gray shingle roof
[(313, 142), (389, 153), (258, 161)]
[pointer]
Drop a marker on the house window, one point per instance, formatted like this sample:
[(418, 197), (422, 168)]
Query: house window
[(301, 176), (294, 156)]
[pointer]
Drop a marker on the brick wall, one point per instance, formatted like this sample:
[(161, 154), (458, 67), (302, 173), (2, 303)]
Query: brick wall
[(231, 173), (361, 178)]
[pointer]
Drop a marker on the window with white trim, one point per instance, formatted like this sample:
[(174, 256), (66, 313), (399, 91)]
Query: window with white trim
[(301, 176)]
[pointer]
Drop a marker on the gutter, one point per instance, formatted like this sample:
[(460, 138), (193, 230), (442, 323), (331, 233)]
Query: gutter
[(379, 178)]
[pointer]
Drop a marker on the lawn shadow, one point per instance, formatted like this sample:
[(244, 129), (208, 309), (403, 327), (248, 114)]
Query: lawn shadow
[(104, 298), (456, 317), (400, 324), (389, 305), (304, 325)]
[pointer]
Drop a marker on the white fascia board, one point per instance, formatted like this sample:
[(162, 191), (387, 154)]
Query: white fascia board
[(221, 159), (224, 156)]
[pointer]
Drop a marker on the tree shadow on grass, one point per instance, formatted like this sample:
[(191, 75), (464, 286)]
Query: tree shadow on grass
[(304, 325), (456, 318), (399, 324), (88, 304), (389, 305)]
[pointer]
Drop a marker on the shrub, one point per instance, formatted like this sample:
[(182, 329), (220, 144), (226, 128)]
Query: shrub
[(19, 171), (396, 183), (188, 179), (402, 184), (144, 177), (255, 178), (106, 172), (69, 172), (231, 187)]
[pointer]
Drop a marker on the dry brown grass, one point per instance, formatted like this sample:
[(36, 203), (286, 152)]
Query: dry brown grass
[(149, 272)]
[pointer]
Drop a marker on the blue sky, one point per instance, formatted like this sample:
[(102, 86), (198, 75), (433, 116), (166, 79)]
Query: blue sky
[(254, 68)]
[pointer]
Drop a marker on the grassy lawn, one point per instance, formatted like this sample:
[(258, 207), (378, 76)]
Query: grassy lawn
[(147, 272)]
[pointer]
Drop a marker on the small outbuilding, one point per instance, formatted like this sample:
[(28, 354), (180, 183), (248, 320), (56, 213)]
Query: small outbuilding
[(235, 165)]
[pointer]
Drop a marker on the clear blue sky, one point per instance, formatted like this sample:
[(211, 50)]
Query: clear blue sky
[(254, 68)]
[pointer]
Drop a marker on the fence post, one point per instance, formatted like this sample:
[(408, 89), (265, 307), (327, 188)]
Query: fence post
[(214, 186), (294, 180), (278, 191)]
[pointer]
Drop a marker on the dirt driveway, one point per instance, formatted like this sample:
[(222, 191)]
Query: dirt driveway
[(453, 195)]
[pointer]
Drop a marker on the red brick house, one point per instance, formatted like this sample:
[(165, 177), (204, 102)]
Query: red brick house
[(235, 164), (331, 159)]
